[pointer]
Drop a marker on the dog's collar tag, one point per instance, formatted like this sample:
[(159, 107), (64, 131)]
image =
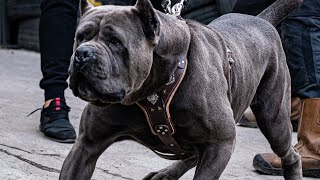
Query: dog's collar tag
[(153, 99), (156, 109)]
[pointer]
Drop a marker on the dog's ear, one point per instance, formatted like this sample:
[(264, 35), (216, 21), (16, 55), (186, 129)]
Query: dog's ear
[(150, 20), (85, 6)]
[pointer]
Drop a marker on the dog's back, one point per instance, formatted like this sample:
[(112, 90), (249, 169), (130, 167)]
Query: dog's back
[(256, 48), (255, 45)]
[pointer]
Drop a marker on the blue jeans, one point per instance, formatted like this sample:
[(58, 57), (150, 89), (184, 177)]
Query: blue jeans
[(301, 42)]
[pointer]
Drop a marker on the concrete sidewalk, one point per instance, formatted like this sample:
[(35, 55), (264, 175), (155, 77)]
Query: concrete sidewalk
[(26, 154)]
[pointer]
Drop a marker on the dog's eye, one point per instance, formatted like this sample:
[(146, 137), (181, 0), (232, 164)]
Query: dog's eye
[(80, 37), (114, 41)]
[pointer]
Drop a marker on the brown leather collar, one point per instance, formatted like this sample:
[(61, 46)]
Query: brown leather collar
[(156, 110)]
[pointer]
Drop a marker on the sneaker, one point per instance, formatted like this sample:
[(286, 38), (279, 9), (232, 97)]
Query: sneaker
[(55, 124)]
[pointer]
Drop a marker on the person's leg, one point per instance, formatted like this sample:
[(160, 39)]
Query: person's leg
[(308, 144), (57, 28), (301, 41)]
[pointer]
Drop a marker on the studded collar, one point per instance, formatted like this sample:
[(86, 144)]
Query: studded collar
[(156, 110)]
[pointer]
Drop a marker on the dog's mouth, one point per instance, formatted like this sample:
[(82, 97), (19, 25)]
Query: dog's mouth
[(82, 88)]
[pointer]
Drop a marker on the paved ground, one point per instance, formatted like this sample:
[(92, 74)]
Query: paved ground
[(26, 154)]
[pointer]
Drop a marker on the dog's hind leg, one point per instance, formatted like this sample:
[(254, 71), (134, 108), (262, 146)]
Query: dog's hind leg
[(174, 171), (271, 105)]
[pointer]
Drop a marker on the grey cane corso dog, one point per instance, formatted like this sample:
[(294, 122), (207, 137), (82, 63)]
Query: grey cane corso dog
[(125, 53)]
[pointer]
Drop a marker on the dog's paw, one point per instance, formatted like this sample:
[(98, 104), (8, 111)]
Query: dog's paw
[(159, 175)]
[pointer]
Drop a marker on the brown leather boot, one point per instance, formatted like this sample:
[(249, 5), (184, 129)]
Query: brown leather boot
[(296, 105), (308, 144)]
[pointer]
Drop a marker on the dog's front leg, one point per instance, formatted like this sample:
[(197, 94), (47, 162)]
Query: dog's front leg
[(174, 171), (214, 158), (81, 160), (95, 135)]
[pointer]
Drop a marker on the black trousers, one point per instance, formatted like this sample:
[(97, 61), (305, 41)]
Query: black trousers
[(58, 23)]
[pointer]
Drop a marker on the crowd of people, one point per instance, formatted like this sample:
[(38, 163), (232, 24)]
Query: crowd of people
[(300, 33)]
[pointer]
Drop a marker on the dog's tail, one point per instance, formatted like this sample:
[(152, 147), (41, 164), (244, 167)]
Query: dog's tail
[(279, 10)]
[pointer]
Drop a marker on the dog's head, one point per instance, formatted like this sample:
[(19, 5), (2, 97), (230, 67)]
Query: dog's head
[(113, 51)]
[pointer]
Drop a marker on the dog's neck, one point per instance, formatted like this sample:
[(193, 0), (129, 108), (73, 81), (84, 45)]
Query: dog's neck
[(174, 37), (173, 45)]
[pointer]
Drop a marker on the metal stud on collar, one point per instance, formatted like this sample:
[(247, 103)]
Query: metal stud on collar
[(162, 129)]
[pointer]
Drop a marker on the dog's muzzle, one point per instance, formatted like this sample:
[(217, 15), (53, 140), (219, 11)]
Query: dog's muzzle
[(81, 81), (83, 56)]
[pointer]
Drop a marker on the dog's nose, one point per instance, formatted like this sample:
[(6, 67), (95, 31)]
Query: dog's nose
[(82, 56)]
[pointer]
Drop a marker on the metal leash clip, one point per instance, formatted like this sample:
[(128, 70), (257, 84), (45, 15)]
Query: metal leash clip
[(176, 9), (166, 5)]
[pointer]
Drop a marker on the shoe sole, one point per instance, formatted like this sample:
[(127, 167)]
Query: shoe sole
[(67, 141), (265, 170), (278, 172)]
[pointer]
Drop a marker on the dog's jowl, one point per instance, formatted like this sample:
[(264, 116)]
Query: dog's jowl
[(124, 55)]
